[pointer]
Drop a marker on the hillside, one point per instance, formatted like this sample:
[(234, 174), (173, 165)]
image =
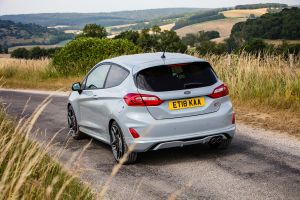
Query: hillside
[(12, 34), (199, 17), (105, 19)]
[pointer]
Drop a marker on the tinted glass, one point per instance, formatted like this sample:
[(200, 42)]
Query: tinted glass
[(96, 78), (116, 76), (176, 77)]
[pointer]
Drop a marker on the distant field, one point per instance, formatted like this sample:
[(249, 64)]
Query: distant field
[(223, 26), (167, 27), (279, 42), (245, 13), (61, 44), (4, 55)]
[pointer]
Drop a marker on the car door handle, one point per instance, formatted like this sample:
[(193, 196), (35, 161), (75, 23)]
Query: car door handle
[(95, 96)]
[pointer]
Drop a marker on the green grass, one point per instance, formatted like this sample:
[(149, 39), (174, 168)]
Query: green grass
[(27, 172)]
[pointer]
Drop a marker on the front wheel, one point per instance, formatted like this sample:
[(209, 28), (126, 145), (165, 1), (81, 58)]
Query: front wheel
[(73, 125), (119, 146)]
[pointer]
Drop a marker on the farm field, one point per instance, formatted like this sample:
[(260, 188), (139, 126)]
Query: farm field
[(244, 13), (60, 44), (223, 26), (167, 27)]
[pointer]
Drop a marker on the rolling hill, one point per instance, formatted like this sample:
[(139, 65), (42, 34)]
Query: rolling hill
[(13, 34), (105, 19)]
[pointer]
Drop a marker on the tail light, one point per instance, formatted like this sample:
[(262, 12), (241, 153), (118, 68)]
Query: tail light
[(233, 118), (134, 133), (219, 92), (133, 99)]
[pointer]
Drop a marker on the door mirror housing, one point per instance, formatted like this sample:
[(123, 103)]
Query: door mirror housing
[(77, 87)]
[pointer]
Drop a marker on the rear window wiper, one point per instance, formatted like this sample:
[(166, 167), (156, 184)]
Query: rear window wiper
[(192, 85)]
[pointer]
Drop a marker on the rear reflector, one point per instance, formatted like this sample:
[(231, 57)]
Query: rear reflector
[(233, 118), (134, 133), (134, 99), (219, 92)]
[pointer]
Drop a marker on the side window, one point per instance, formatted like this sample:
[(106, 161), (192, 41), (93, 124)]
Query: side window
[(96, 78), (116, 76)]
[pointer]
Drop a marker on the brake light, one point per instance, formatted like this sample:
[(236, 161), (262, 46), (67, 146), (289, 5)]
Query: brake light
[(133, 99), (219, 92), (134, 133)]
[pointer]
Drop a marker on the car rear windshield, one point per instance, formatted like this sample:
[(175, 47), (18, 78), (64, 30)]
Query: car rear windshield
[(176, 77)]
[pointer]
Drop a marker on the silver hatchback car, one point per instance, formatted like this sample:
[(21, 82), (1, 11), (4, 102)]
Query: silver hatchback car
[(152, 101)]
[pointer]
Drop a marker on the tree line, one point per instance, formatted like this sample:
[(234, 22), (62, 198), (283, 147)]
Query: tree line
[(201, 17), (282, 25), (34, 53), (261, 5)]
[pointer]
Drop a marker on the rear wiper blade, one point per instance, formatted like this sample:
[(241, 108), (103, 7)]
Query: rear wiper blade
[(192, 85)]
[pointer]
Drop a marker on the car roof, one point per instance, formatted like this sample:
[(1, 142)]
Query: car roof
[(139, 61)]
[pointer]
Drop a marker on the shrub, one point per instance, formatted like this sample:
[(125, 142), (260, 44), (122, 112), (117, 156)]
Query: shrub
[(81, 54), (20, 53)]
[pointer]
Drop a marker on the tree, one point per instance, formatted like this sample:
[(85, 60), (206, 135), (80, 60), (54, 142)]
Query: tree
[(255, 46), (171, 42), (189, 39), (156, 29), (201, 36), (93, 30), (37, 53), (147, 41), (129, 35), (155, 41), (20, 53), (212, 34)]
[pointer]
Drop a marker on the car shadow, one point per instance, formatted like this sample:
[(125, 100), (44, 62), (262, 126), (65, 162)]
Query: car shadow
[(192, 153)]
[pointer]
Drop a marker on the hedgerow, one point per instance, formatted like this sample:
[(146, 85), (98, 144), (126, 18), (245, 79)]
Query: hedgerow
[(81, 54)]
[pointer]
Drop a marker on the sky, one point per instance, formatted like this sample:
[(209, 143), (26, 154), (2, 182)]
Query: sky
[(50, 6)]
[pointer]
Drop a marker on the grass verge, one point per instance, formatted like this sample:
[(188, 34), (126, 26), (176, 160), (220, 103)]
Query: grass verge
[(27, 172)]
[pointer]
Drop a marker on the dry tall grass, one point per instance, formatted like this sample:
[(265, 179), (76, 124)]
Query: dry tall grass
[(34, 74), (26, 171), (271, 81)]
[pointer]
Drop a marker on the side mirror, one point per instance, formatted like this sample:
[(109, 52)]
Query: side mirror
[(77, 87)]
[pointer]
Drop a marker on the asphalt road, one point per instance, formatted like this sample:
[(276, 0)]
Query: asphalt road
[(259, 165)]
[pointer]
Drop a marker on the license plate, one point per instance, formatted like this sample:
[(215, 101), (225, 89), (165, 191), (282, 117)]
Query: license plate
[(186, 103)]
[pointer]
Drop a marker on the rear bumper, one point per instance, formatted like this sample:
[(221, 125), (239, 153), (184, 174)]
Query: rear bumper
[(178, 131), (142, 146)]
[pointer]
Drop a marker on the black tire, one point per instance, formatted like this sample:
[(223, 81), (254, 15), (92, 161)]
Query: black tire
[(119, 146), (73, 125), (220, 144)]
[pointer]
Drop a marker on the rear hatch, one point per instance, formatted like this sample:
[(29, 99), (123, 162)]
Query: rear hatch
[(184, 89)]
